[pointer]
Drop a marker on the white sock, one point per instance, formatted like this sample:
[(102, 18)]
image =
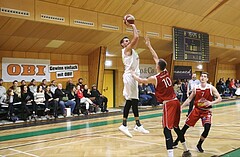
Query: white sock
[(170, 152), (184, 146)]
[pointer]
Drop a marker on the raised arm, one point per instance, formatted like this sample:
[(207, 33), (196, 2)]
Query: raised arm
[(154, 54), (134, 41)]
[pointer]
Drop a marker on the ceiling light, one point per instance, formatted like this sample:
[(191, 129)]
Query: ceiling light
[(108, 63), (55, 43), (230, 60), (200, 66)]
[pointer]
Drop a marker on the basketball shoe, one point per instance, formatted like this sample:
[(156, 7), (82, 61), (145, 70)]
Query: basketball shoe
[(141, 129), (199, 148), (124, 130)]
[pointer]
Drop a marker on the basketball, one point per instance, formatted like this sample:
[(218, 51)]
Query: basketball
[(128, 19)]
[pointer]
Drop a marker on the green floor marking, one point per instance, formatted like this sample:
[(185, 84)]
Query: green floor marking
[(88, 125), (234, 153)]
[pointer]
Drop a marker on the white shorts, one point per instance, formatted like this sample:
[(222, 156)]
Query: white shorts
[(130, 89)]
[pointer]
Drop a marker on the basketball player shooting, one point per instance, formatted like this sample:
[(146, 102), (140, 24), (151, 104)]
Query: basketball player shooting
[(130, 91), (165, 93), (203, 102)]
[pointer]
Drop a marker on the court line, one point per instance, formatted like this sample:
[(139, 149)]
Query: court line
[(62, 144), (89, 125), (21, 152)]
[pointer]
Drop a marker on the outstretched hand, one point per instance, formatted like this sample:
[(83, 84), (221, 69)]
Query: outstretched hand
[(147, 41)]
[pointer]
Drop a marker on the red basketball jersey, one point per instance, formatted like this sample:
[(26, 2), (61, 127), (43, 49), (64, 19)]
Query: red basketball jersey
[(164, 88), (203, 95)]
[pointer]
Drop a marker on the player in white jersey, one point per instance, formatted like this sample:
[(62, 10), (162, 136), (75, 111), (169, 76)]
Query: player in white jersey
[(130, 92)]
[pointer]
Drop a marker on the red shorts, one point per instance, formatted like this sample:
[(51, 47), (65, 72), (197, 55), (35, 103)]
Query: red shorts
[(196, 114), (171, 114)]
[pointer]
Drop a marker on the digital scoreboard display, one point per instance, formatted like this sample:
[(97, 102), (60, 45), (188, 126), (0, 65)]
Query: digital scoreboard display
[(190, 45)]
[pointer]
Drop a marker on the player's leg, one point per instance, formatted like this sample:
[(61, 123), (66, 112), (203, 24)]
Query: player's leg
[(126, 111), (180, 134), (138, 126), (123, 127), (169, 141), (191, 121), (204, 135)]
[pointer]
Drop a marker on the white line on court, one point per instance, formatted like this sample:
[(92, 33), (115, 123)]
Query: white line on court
[(50, 146), (21, 152)]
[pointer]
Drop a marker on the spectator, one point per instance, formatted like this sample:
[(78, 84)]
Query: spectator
[(183, 89), (23, 83), (191, 85), (17, 91), (39, 97), (50, 100), (83, 99), (69, 85), (144, 98), (100, 100), (27, 97), (232, 87), (32, 87), (151, 91), (80, 82), (63, 99), (2, 92), (53, 86), (44, 84)]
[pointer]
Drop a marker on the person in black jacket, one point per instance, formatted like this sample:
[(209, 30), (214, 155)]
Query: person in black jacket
[(63, 99), (50, 100), (27, 97), (100, 99)]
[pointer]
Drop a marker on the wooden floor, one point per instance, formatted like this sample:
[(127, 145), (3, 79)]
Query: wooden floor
[(100, 137)]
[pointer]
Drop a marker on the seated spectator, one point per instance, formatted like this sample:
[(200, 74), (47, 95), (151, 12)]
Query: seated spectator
[(27, 97), (23, 83), (53, 86), (87, 93), (9, 100), (64, 100), (69, 85), (232, 87), (39, 97), (17, 91), (100, 99), (151, 91), (80, 82), (32, 87), (83, 99), (177, 90), (2, 92), (220, 86), (44, 84), (51, 101), (144, 98)]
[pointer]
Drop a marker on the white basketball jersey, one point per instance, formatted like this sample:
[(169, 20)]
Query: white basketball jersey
[(131, 63)]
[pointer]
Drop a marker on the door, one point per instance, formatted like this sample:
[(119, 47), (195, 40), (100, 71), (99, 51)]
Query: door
[(108, 87)]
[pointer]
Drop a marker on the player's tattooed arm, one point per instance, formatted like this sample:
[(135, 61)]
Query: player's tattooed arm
[(189, 99), (217, 96)]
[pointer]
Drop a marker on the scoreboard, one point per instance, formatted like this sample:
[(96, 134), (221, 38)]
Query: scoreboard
[(190, 45)]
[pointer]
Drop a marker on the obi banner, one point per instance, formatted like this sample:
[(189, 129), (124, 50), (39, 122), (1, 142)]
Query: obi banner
[(182, 72), (25, 69), (147, 70)]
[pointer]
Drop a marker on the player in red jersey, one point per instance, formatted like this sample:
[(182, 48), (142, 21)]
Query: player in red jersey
[(203, 94), (165, 93)]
